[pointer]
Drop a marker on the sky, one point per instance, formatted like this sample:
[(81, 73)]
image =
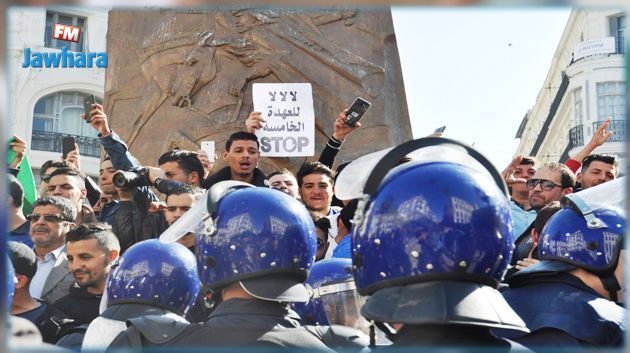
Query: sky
[(476, 70)]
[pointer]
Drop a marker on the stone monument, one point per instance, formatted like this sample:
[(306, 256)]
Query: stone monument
[(177, 77)]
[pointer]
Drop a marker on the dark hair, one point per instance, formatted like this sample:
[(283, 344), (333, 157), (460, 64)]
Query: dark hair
[(65, 206), (323, 223), (16, 191), (604, 158), (241, 136), (187, 161), (567, 177), (529, 161), (184, 189), (102, 232), (347, 213), (279, 172), (53, 164), (23, 259), (72, 172), (544, 214), (314, 168)]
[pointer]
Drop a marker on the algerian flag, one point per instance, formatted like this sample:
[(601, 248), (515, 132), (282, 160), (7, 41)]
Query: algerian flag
[(25, 176)]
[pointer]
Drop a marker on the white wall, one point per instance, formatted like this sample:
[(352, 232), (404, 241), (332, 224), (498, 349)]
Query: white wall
[(28, 85)]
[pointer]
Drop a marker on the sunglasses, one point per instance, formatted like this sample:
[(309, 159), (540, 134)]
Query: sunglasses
[(546, 185), (46, 178), (34, 217), (174, 208)]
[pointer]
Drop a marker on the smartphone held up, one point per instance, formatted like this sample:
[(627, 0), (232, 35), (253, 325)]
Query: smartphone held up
[(88, 102), (356, 111)]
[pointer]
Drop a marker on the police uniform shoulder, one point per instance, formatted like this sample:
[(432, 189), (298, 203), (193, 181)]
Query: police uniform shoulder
[(338, 336), (159, 329)]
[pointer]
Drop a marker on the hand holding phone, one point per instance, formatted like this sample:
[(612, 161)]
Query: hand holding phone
[(67, 145), (208, 147), (356, 111), (88, 101)]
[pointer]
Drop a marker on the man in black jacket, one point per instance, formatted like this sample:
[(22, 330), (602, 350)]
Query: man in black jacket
[(242, 152), (91, 250)]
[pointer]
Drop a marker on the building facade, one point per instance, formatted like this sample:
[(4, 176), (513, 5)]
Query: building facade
[(584, 86), (46, 103)]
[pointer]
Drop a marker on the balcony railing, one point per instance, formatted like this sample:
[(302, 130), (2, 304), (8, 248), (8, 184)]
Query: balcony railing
[(618, 127), (51, 142), (576, 136)]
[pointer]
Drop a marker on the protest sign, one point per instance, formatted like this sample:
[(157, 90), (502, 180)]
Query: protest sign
[(287, 108)]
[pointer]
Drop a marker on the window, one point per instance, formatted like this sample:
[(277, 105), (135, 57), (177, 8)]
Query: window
[(611, 100), (621, 34), (618, 27), (577, 106), (55, 17), (58, 115)]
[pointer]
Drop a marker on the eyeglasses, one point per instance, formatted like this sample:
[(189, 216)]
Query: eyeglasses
[(34, 217), (46, 178), (174, 208), (546, 185), (320, 243)]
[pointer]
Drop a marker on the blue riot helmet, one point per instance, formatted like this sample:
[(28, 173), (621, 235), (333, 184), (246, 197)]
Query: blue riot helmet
[(10, 281), (261, 238), (155, 273), (585, 233), (335, 300), (433, 237)]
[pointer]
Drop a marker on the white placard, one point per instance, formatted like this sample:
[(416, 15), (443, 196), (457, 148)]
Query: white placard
[(604, 45), (287, 108)]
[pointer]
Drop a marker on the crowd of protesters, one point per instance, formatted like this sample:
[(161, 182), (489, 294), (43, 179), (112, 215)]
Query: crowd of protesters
[(80, 255)]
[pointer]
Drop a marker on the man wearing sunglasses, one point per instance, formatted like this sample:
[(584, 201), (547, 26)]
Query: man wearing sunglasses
[(51, 219), (548, 184)]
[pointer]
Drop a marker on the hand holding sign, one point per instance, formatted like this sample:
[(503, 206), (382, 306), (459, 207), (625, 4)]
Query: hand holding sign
[(283, 120)]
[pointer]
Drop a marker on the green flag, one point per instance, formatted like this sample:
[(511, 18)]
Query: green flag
[(25, 176)]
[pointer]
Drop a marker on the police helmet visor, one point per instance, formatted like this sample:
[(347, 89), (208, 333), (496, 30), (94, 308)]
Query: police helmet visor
[(342, 305), (611, 193), (352, 180), (197, 217)]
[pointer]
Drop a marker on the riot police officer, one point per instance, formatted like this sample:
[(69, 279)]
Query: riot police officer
[(333, 313), (568, 298), (152, 278), (431, 241), (253, 253)]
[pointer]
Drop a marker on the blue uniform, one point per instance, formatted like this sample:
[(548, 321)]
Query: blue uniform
[(560, 309)]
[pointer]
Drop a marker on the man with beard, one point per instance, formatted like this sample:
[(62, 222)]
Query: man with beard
[(242, 153), (91, 249), (549, 184)]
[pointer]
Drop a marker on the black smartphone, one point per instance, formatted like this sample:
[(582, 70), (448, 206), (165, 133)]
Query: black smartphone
[(356, 111), (87, 106), (440, 129), (67, 145)]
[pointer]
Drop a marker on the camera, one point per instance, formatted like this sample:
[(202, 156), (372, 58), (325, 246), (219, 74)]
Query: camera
[(136, 178)]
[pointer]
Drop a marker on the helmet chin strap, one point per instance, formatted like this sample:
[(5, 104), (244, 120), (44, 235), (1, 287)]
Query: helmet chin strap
[(611, 284), (389, 332)]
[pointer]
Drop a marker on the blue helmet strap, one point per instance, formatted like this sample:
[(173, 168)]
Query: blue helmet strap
[(611, 284)]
